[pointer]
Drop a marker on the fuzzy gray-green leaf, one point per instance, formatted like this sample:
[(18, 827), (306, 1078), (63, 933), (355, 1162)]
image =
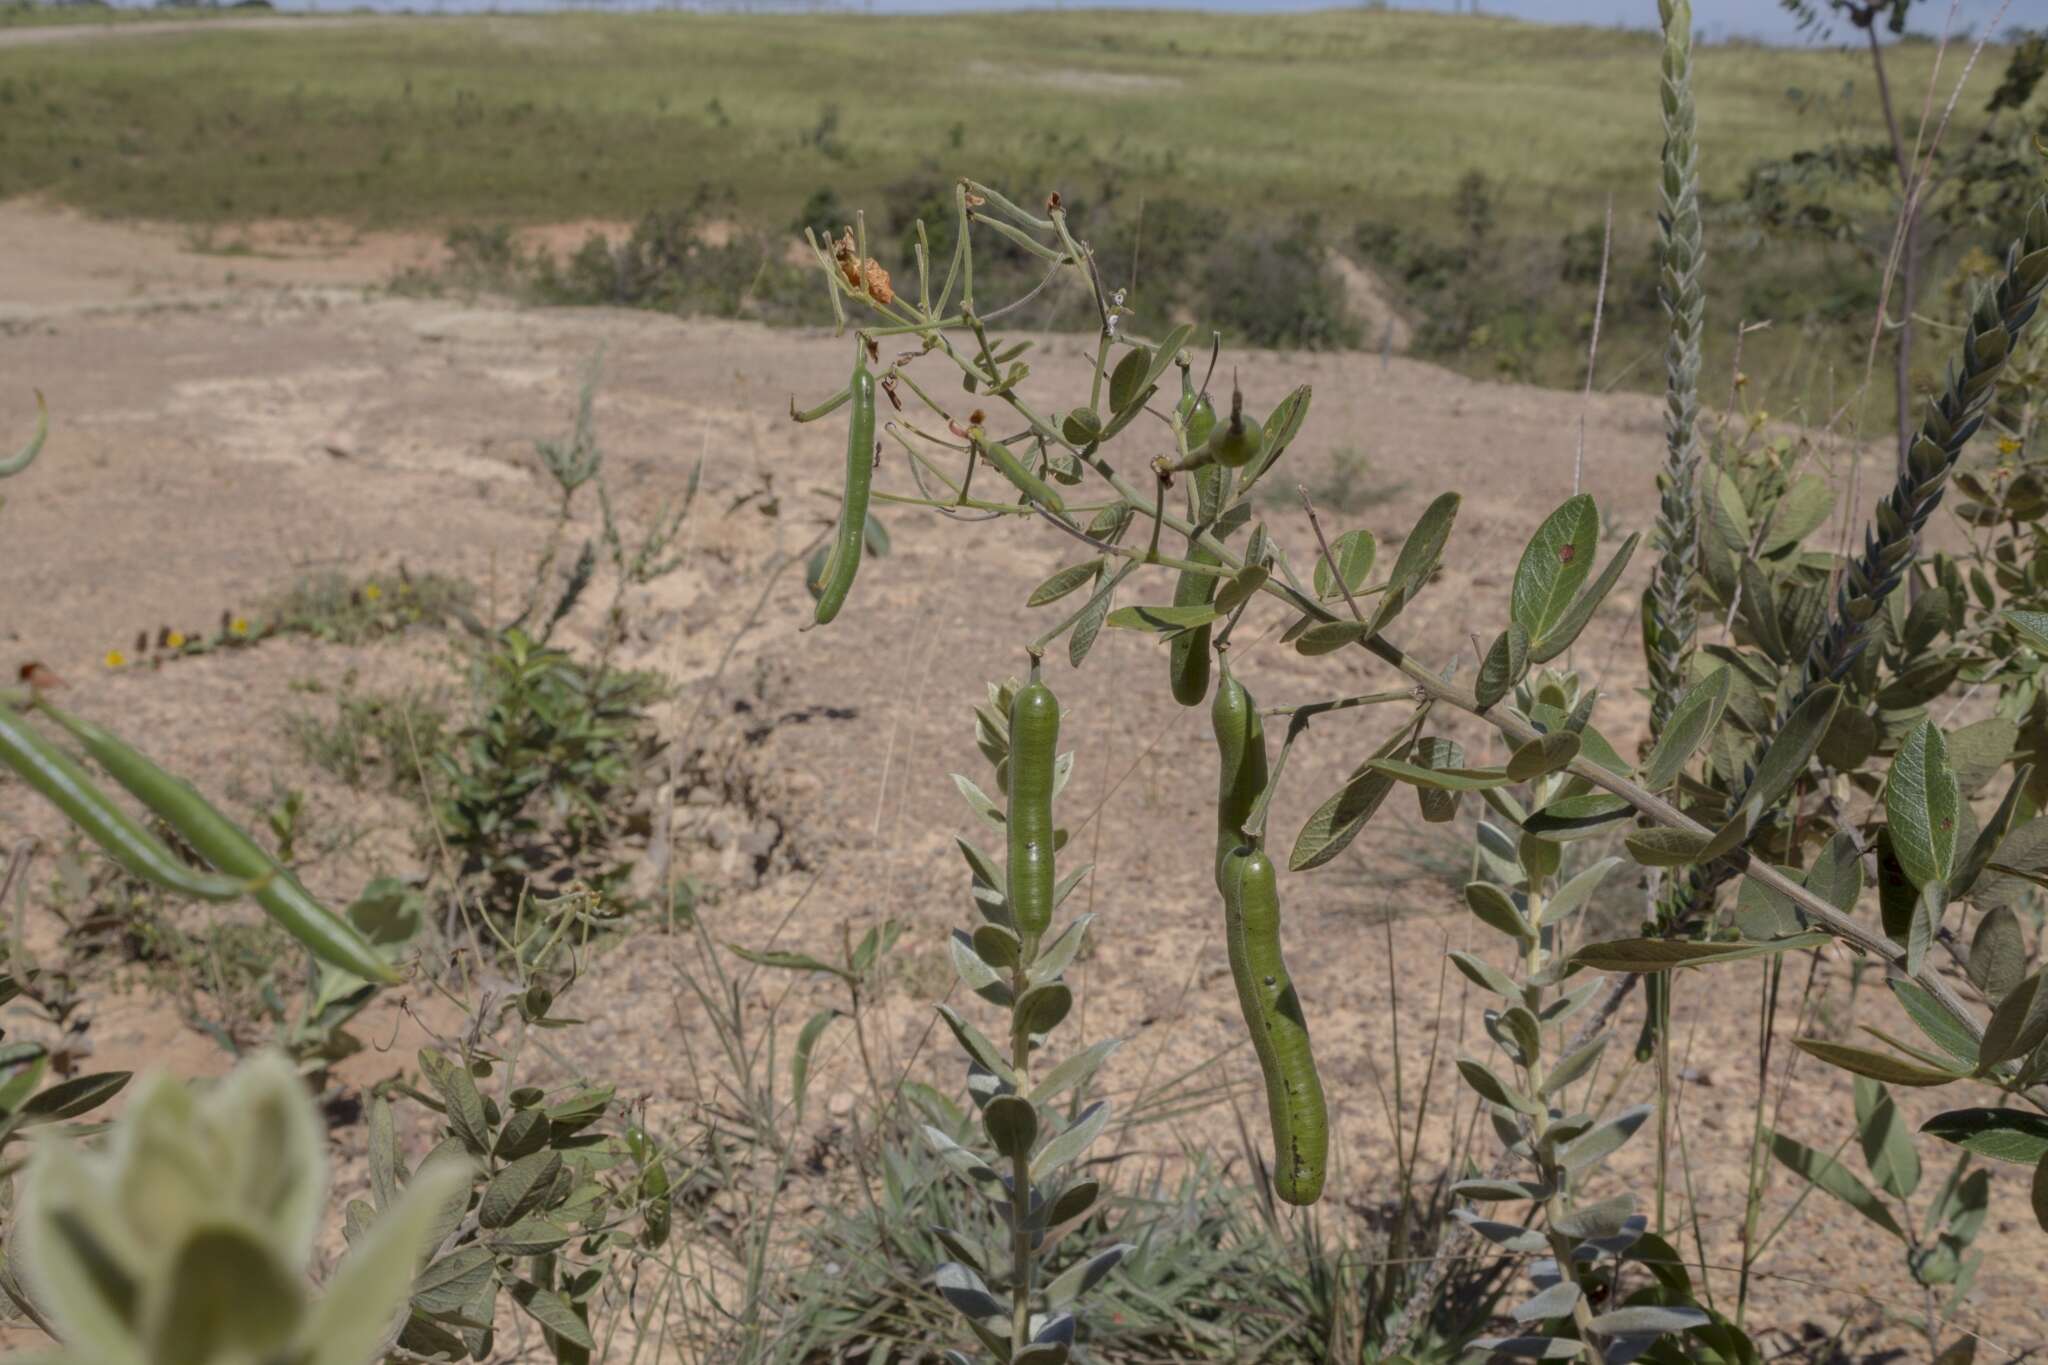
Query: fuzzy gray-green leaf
[(1920, 801), (1554, 564)]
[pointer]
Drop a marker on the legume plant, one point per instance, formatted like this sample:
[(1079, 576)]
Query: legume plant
[(1786, 751), (1794, 752)]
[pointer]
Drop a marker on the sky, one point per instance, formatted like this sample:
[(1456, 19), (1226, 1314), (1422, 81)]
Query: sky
[(1715, 20)]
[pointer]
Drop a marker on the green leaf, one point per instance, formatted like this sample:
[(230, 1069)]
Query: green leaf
[(1927, 911), (1998, 952), (2016, 1027), (1064, 581), (69, 1099), (1070, 1144), (1083, 1276), (1441, 779), (449, 1283), (1127, 380), (1934, 1021), (553, 1312), (1492, 1088), (465, 1107), (1575, 620), (800, 1060), (1575, 817), (1354, 552), (1417, 560), (1920, 800), (1496, 910), (1664, 846), (1642, 1320), (1825, 1173), (1074, 1072), (1575, 892), (2038, 1190), (1887, 1146), (1088, 621), (804, 962), (1585, 1152), (1992, 833), (518, 1189), (1785, 761), (1485, 975), (2016, 1135), (976, 1044), (1506, 663), (1554, 565), (1692, 720), (1644, 955), (1798, 512), (2030, 626), (349, 1322), (1573, 1065), (1337, 821), (1011, 1124), (1163, 620), (1327, 637), (1879, 1066), (1543, 755)]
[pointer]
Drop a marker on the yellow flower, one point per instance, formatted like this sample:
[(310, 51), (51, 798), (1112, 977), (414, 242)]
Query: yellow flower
[(175, 640), (239, 626), (371, 592), (116, 659), (2008, 445)]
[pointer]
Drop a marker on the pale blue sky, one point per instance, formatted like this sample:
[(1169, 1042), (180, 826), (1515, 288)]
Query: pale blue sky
[(1716, 19)]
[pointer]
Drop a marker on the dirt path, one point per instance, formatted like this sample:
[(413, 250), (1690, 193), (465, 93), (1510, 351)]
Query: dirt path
[(219, 426)]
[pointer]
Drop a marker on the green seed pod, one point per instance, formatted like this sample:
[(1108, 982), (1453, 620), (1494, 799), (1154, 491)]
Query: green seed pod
[(1010, 467), (1241, 743), (1188, 666), (223, 843), (1034, 744), (1236, 443), (837, 578), (1265, 994), (58, 778)]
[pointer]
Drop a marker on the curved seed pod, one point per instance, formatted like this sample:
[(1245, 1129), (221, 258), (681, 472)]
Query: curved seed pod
[(1265, 994), (1241, 741), (1034, 742), (223, 843), (837, 580), (21, 459), (67, 786), (1010, 467)]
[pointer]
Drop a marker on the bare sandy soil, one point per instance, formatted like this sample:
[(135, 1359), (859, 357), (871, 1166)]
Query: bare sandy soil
[(222, 425)]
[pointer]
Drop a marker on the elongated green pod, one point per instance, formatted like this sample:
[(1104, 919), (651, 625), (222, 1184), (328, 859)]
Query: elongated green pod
[(26, 456), (1034, 743), (837, 579), (1272, 1011), (1189, 653), (223, 843), (58, 778), (1241, 744), (1010, 467)]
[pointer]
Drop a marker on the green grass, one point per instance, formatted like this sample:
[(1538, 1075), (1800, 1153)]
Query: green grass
[(430, 121), (1354, 116)]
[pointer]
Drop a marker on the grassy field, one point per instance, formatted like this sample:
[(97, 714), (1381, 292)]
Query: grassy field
[(1358, 117), (534, 119)]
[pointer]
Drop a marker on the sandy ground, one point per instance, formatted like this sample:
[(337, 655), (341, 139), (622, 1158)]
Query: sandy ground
[(220, 425)]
